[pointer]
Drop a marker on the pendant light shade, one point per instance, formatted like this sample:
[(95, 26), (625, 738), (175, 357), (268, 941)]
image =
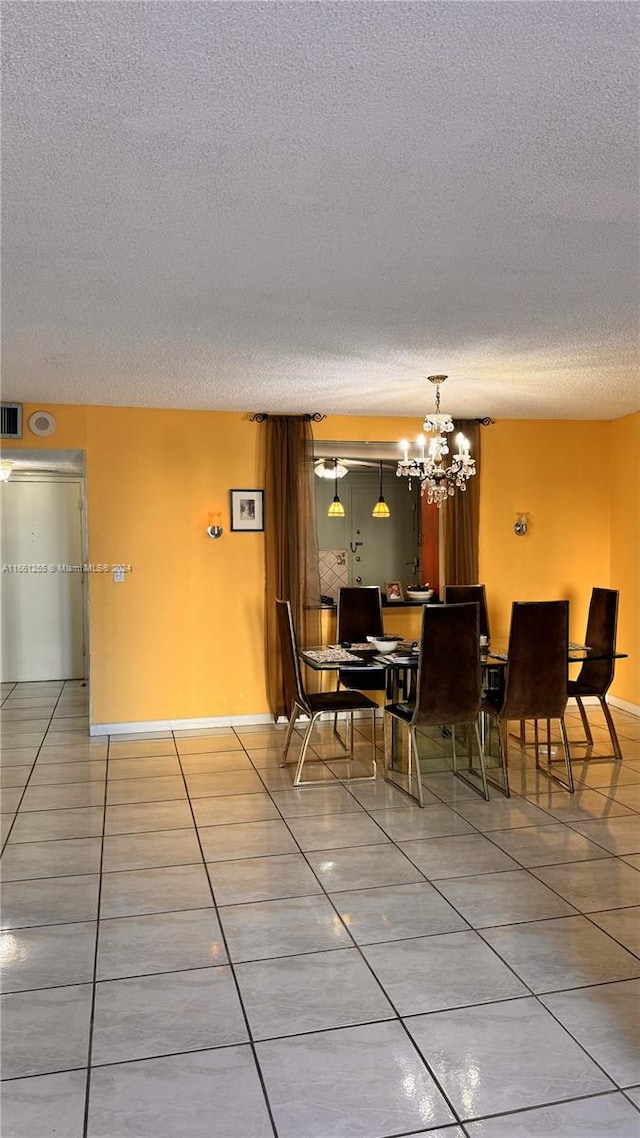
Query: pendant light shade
[(381, 509), (336, 509)]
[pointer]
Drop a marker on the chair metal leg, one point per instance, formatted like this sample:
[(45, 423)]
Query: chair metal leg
[(287, 739), (386, 720), (335, 722), (374, 760), (483, 768), (504, 756), (588, 737), (567, 756), (546, 770), (298, 781), (612, 730), (303, 750), (415, 762), (585, 722), (387, 729), (462, 775)]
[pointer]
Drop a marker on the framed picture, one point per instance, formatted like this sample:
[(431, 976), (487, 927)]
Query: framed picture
[(393, 590), (247, 510)]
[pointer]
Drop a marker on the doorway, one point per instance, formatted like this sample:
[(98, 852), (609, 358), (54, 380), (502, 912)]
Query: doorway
[(43, 577)]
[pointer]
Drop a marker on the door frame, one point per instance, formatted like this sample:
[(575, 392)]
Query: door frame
[(60, 466)]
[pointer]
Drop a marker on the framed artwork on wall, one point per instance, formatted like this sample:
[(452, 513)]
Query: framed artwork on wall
[(247, 510)]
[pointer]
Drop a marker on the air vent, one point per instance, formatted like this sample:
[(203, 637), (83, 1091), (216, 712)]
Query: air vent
[(11, 420)]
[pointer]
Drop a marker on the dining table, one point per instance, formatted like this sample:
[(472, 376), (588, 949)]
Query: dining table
[(401, 663), (405, 658)]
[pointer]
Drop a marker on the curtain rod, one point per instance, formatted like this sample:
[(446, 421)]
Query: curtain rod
[(316, 417), (262, 416)]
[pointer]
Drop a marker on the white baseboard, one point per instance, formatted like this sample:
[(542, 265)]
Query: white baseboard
[(178, 724), (218, 721), (624, 705), (194, 724)]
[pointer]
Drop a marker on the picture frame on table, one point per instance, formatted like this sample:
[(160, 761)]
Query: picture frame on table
[(247, 511), (393, 590)]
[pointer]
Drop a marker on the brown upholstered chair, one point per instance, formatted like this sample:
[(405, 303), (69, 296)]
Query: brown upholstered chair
[(448, 687), (299, 702), (360, 615), (535, 685), (462, 594), (595, 676)]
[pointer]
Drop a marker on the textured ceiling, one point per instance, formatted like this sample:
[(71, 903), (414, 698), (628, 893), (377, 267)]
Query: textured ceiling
[(312, 206)]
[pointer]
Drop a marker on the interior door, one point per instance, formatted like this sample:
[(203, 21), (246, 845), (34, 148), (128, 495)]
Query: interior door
[(42, 580), (382, 549)]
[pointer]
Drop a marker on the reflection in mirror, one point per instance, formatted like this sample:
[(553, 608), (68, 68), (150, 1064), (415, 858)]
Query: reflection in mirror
[(362, 549)]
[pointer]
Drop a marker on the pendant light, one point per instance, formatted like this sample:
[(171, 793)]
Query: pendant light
[(381, 509), (336, 509)]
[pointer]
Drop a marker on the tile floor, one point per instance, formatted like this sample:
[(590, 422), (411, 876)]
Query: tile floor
[(192, 948)]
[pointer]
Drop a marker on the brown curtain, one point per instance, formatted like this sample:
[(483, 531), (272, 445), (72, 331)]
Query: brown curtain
[(291, 541), (462, 520)]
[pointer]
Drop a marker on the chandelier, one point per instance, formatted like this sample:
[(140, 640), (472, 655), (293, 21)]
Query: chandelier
[(437, 479)]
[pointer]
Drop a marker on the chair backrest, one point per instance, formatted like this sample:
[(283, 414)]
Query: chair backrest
[(537, 668), (359, 613), (601, 638), (463, 594), (449, 685), (291, 674)]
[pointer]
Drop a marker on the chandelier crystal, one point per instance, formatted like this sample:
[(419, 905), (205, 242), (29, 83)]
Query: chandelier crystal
[(437, 479)]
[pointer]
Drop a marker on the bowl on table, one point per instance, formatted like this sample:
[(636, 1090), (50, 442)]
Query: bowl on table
[(384, 644), (419, 593)]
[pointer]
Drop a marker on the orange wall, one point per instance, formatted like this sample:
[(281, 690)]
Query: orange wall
[(538, 468), (182, 637), (624, 459), (576, 519)]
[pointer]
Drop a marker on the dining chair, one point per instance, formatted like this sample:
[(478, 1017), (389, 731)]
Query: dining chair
[(595, 676), (448, 689), (535, 685), (315, 704), (462, 594), (360, 615)]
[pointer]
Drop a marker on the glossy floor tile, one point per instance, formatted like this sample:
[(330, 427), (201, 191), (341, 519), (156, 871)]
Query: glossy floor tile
[(564, 953), (166, 1013), (190, 945), (426, 974), (262, 879), (44, 1105), (605, 1019), (608, 1114), (520, 1056), (369, 1078), (180, 1094), (396, 912), (312, 992)]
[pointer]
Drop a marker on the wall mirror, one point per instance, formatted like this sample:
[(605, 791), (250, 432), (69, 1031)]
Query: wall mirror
[(358, 548)]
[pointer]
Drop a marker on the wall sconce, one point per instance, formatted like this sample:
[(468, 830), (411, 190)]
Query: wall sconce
[(6, 467), (522, 525), (213, 529)]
